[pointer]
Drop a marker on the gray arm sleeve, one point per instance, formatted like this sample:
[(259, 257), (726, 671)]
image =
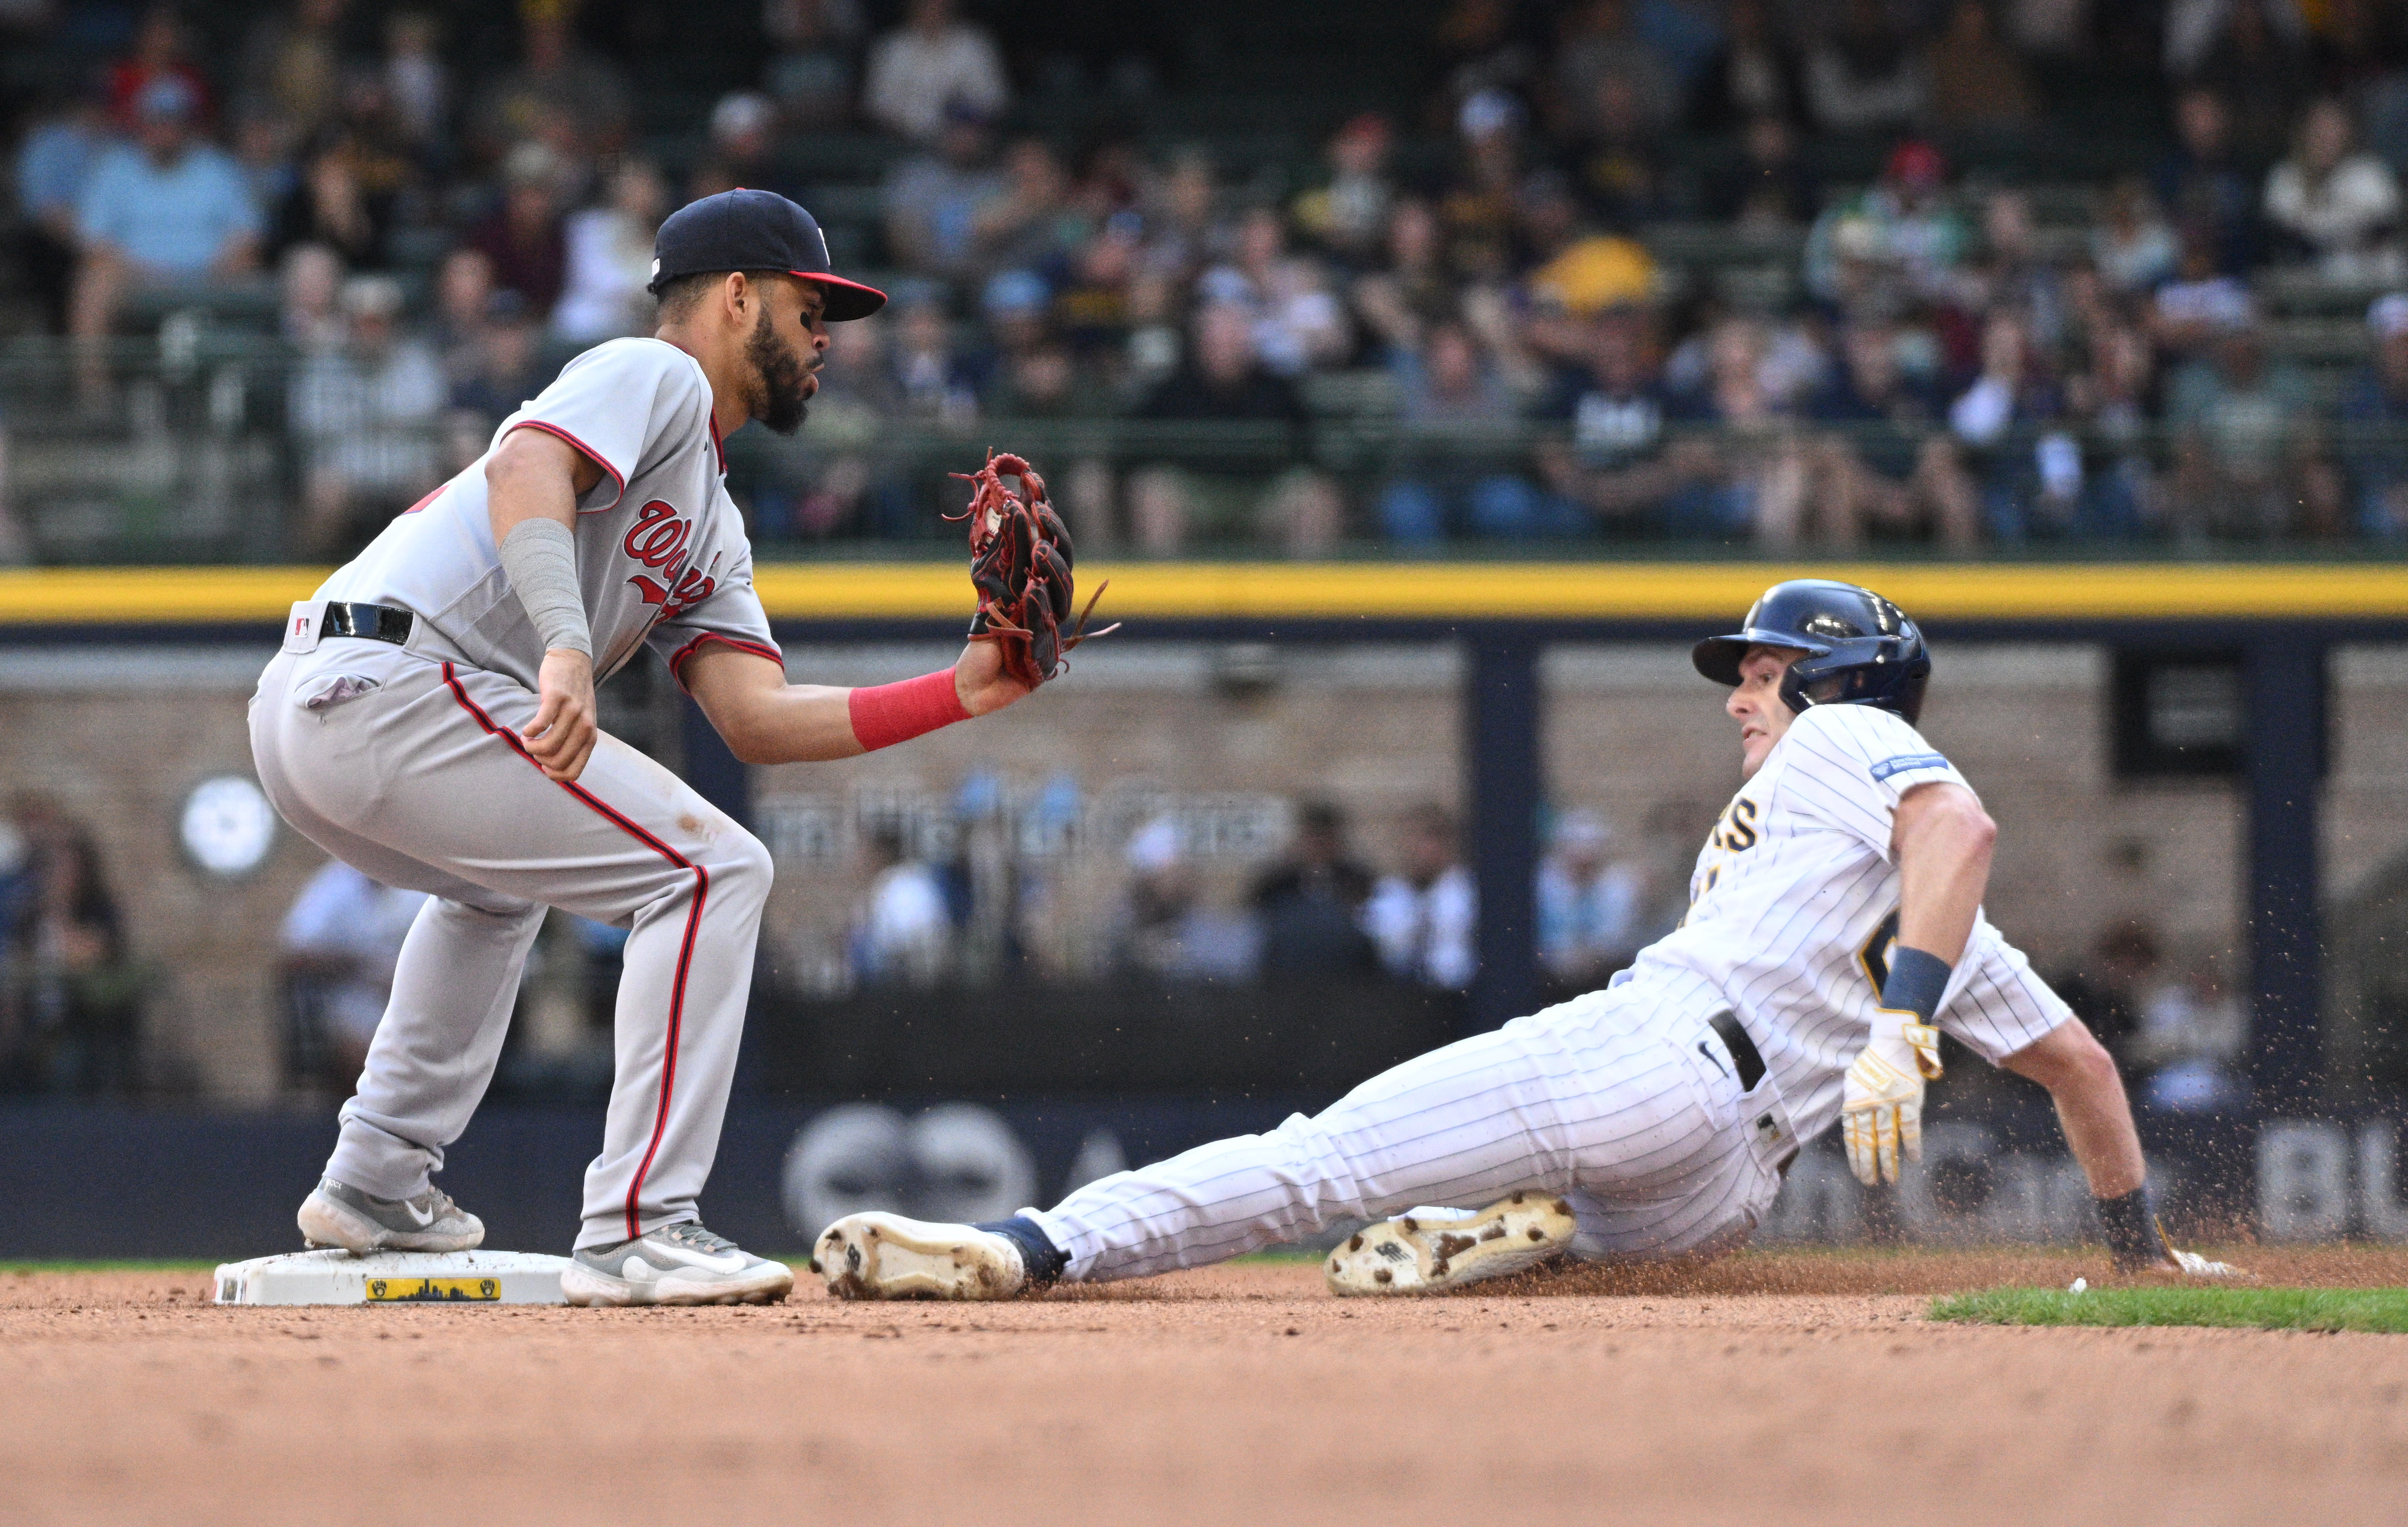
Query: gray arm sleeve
[(541, 557)]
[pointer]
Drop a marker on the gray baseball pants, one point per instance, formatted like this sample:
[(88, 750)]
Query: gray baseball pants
[(411, 770)]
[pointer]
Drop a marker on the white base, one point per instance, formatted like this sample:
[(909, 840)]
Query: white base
[(339, 1278)]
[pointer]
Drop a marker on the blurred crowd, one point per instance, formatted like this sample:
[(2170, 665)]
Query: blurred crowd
[(1314, 910), (1483, 288)]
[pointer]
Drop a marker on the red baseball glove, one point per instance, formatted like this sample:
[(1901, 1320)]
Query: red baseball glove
[(1020, 564)]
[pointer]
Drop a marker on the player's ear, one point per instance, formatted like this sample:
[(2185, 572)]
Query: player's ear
[(736, 293)]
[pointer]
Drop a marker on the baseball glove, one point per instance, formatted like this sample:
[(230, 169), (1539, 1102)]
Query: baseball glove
[(1020, 564)]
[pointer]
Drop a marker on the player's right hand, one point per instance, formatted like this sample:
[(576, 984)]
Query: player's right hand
[(561, 735), (1881, 1106)]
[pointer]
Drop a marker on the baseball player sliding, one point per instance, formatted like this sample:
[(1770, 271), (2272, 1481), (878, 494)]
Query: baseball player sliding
[(431, 720), (1834, 929)]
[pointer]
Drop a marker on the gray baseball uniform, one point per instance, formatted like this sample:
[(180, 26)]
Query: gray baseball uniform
[(406, 762)]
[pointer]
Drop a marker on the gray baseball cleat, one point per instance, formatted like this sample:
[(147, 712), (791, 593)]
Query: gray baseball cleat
[(676, 1265), (336, 1214), (1427, 1251)]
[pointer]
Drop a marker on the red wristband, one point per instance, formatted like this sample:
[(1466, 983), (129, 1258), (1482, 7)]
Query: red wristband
[(886, 714)]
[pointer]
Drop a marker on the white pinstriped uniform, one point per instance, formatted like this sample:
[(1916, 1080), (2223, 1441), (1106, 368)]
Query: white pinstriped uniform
[(1622, 1100)]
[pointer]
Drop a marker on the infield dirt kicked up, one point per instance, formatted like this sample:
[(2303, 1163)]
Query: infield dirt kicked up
[(1767, 1389)]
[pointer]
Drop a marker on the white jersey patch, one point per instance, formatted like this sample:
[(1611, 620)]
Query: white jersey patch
[(661, 551), (1792, 908)]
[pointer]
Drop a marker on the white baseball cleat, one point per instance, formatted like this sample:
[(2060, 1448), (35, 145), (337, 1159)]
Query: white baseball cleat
[(886, 1256), (676, 1265), (1418, 1254)]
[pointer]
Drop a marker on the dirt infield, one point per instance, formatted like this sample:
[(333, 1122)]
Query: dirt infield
[(1772, 1389)]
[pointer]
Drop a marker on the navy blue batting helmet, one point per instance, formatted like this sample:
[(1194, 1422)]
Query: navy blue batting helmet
[(1860, 649)]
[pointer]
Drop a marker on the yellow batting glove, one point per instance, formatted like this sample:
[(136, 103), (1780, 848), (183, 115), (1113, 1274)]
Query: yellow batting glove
[(1880, 1106)]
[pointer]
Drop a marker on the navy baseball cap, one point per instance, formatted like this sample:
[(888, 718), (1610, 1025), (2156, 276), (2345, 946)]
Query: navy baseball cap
[(756, 230)]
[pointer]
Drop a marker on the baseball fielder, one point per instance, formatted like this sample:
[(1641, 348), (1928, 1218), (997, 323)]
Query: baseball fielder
[(1834, 929), (431, 720)]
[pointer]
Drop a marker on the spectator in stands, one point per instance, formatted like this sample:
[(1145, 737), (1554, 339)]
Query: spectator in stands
[(2115, 405), (1481, 204), (1618, 463), (1029, 222), (2338, 207), (2131, 244), (340, 943), (1887, 463), (2200, 305), (264, 148), (1624, 175), (525, 238), (1347, 218), (55, 160), (1770, 186), (496, 369), (561, 94), (1425, 917), (742, 151), (2251, 461), (1310, 903), (417, 80), (1183, 218), (1756, 75), (1224, 381), (2252, 54), (164, 212), (1864, 76), (611, 259), (812, 77), (1448, 479), (2375, 425), (1755, 482), (840, 480), (2107, 988), (1603, 42), (1299, 325), (330, 206), (2189, 1035), (2013, 424), (1976, 81), (366, 417), (308, 287), (1412, 288), (2203, 183), (1093, 305), (1592, 908), (1902, 230), (1165, 927), (463, 283), (903, 933), (162, 51), (2015, 276), (80, 1024), (296, 63), (932, 61), (932, 380), (932, 200)]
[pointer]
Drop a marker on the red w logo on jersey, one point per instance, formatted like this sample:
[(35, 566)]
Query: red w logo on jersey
[(660, 539)]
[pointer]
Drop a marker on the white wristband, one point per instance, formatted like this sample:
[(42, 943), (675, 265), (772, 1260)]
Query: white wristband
[(540, 556)]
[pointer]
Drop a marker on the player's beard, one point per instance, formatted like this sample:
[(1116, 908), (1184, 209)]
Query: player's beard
[(783, 401)]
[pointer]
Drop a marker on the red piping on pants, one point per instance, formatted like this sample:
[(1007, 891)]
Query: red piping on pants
[(685, 949)]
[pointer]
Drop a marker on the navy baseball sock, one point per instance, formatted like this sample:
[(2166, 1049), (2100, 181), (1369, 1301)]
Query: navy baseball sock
[(2133, 1234), (1043, 1260)]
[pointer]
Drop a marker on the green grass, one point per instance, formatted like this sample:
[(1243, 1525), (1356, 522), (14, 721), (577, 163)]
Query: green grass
[(2263, 1309)]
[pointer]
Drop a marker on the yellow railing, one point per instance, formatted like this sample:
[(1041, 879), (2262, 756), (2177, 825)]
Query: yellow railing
[(1406, 591)]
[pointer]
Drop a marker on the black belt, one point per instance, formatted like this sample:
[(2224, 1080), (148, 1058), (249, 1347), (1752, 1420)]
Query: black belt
[(374, 622), (1743, 1050)]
